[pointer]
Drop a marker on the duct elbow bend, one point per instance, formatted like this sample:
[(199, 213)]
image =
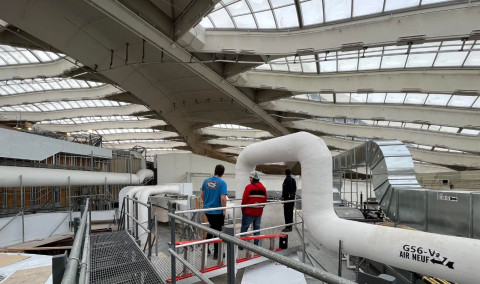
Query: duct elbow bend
[(143, 174)]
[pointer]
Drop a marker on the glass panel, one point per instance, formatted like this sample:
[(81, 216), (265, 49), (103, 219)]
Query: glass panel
[(29, 56), (21, 59), (369, 63), (206, 23), (279, 65), (426, 2), (221, 19), (450, 58), (312, 12), (326, 97), (376, 98), (437, 99), (328, 66), (337, 9), (42, 55), (395, 98), (265, 20), (449, 129), (415, 98), (395, 4), (347, 65), (309, 67), (470, 132), (278, 3), (358, 98), (238, 8), (365, 7), (7, 58), (461, 101), (420, 60), (264, 67), (343, 97), (286, 17), (473, 59), (259, 5), (245, 22), (394, 61), (294, 67)]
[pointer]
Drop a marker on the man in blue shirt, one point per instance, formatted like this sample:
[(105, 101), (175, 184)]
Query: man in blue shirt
[(214, 194)]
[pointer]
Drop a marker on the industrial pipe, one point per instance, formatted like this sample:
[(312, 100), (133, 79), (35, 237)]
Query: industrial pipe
[(55, 177), (452, 258)]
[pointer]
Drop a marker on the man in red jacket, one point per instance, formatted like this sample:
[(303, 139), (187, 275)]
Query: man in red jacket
[(254, 193)]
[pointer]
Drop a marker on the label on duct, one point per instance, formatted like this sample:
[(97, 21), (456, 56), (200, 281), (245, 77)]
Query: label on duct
[(444, 196), (425, 255)]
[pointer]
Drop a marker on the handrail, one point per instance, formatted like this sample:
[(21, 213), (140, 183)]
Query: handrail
[(70, 274), (19, 213), (235, 206), (191, 267), (309, 270)]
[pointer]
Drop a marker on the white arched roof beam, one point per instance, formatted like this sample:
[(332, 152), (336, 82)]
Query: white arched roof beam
[(230, 142), (387, 28), (426, 114), (50, 69), (443, 81), (153, 152), (136, 135), (101, 125), (58, 95), (449, 141), (434, 157), (92, 111), (234, 133), (146, 144)]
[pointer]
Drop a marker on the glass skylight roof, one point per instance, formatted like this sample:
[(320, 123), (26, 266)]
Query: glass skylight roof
[(386, 123), (10, 55), (446, 100), (136, 141), (14, 87), (93, 119), (121, 131), (63, 105), (455, 53), (410, 145), (282, 14), (231, 126)]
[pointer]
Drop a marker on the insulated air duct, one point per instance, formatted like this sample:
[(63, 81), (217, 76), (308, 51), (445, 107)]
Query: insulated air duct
[(25, 176), (452, 258)]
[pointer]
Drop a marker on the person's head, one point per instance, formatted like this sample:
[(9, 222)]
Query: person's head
[(219, 170), (288, 172), (254, 177)]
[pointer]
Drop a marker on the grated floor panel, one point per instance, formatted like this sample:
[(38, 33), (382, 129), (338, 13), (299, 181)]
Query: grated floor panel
[(116, 258)]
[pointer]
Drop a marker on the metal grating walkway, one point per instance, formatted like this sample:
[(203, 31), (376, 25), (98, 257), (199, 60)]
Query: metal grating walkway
[(116, 258)]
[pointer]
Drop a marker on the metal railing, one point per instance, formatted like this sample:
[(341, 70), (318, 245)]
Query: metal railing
[(231, 239), (126, 218), (77, 269)]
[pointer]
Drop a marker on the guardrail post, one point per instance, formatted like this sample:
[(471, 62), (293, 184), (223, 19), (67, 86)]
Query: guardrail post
[(230, 230), (340, 258), (171, 209), (136, 217), (127, 203), (150, 229)]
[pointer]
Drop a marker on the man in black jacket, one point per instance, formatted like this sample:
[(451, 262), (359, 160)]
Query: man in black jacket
[(288, 193)]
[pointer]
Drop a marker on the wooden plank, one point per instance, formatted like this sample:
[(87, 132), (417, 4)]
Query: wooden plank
[(37, 243), (38, 275), (21, 249), (7, 259)]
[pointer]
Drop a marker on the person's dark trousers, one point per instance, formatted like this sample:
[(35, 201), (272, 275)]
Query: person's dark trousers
[(288, 213), (216, 222)]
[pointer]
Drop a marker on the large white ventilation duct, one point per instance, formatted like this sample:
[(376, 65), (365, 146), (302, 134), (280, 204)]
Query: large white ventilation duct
[(25, 176), (452, 258)]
